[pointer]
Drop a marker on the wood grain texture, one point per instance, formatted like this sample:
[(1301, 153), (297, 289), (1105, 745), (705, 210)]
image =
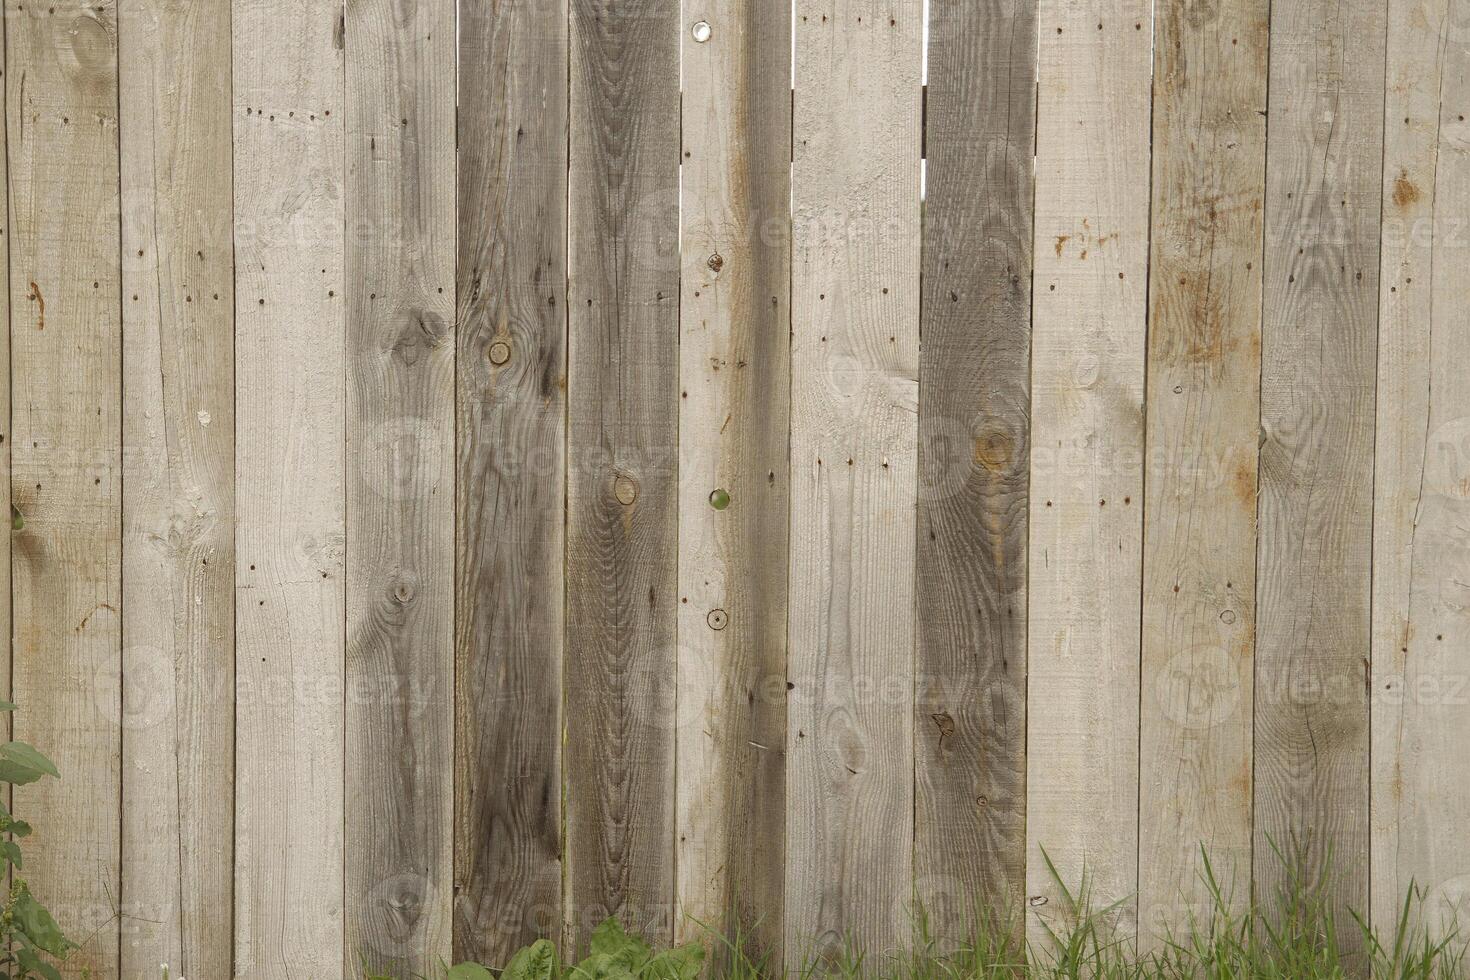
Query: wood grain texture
[(1203, 392), (5, 430), (974, 461), (178, 608), (1325, 155), (400, 485), (66, 337), (289, 488), (511, 476), (854, 471), (734, 486), (1420, 800), (622, 493), (1087, 472)]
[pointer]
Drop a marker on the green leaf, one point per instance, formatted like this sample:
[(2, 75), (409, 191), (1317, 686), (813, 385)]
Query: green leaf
[(36, 923), (10, 850), (31, 963), (610, 940), (469, 971), (20, 828), (681, 963), (604, 966), (21, 764), (536, 962)]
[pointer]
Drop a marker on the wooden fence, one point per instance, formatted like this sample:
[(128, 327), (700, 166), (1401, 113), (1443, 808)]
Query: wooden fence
[(476, 471)]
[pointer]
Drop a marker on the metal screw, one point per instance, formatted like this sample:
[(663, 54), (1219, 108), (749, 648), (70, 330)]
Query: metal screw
[(702, 32)]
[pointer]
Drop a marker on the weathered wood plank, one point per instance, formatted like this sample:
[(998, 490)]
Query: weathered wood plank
[(1420, 799), (178, 609), (66, 334), (511, 273), (289, 488), (5, 430), (974, 461), (734, 432), (1089, 341), (622, 494), (854, 395), (1203, 392), (1317, 429), (399, 207)]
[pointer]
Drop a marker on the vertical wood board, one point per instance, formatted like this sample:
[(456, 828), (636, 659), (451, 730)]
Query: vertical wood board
[(622, 453), (974, 462), (289, 488), (1087, 470), (1317, 430), (399, 260), (854, 472), (511, 477), (178, 608), (1203, 393), (734, 431), (66, 559)]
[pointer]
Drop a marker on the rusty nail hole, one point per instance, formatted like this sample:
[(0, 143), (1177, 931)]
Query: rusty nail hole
[(499, 352), (717, 619)]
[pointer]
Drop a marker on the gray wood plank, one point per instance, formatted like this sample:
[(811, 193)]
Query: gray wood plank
[(510, 461), (974, 463), (1089, 342), (66, 338), (854, 472), (289, 488), (1203, 393), (1318, 380), (399, 209), (6, 512), (735, 369), (178, 610), (622, 522), (1420, 811)]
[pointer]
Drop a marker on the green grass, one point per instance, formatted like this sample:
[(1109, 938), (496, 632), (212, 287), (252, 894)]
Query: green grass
[(1300, 938)]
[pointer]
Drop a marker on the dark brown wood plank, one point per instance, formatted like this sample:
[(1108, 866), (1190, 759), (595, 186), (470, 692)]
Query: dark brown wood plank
[(1318, 383), (622, 455), (511, 481), (974, 461)]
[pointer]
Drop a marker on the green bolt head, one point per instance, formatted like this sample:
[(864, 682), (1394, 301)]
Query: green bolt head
[(719, 499)]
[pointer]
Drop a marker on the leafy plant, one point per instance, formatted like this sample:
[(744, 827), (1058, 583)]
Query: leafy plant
[(29, 936), (612, 955)]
